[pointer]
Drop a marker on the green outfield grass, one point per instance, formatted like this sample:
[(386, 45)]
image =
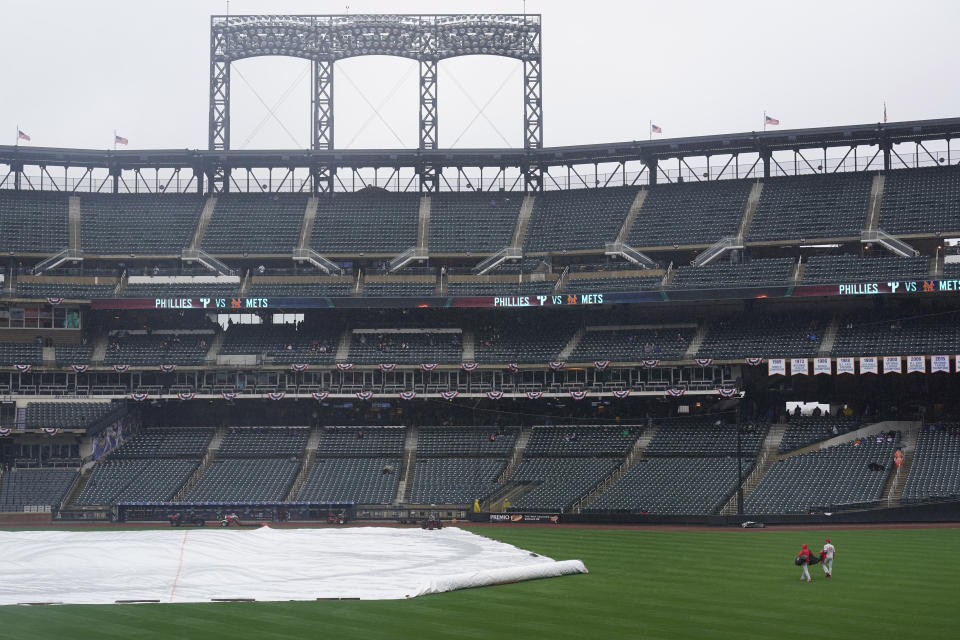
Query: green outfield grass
[(642, 584)]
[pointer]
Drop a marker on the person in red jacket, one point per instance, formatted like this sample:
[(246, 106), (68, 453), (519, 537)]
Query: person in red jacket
[(805, 556)]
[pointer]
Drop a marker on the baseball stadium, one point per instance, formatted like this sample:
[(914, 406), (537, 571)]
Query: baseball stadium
[(598, 390)]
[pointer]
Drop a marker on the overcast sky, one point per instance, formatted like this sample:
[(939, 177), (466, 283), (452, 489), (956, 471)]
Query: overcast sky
[(75, 71)]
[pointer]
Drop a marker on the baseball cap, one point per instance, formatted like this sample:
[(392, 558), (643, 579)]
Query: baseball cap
[(828, 540)]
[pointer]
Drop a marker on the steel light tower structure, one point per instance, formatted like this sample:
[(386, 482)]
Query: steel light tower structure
[(325, 39)]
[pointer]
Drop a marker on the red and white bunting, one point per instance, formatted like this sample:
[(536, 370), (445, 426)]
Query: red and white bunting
[(364, 395), (139, 397), (298, 368), (676, 393), (556, 365), (344, 366), (469, 366), (320, 396), (534, 395), (620, 395), (80, 368), (754, 362), (601, 364), (276, 395), (494, 395), (408, 395), (428, 366), (704, 362), (387, 366), (578, 395), (650, 364), (449, 395)]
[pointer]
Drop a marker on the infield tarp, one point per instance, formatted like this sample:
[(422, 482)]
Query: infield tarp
[(200, 565)]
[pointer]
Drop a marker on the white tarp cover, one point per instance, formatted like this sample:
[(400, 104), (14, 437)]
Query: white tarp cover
[(199, 565)]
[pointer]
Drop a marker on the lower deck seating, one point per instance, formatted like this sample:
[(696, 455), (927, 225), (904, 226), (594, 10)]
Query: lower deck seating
[(344, 442), (806, 430), (673, 486), (20, 488), (705, 436), (935, 470), (244, 480), (274, 442), (559, 482), (136, 480), (825, 479), (435, 442), (455, 480), (357, 480)]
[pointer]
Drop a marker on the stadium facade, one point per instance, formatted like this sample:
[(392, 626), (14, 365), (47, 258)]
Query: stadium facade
[(585, 331)]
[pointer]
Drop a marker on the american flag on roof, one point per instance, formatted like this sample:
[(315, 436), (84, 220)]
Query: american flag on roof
[(22, 136), (120, 139), (655, 129), (768, 120)]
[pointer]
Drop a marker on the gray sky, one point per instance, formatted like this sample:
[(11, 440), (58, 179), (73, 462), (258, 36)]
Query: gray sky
[(75, 71)]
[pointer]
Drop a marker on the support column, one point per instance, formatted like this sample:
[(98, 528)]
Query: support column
[(322, 122), (533, 114), (429, 172), (766, 163), (653, 168), (219, 124)]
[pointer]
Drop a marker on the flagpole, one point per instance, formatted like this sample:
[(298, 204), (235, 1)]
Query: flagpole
[(114, 139), (16, 142), (764, 120), (650, 128)]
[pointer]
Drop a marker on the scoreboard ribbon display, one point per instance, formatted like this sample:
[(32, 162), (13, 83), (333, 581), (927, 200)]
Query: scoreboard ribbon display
[(228, 304)]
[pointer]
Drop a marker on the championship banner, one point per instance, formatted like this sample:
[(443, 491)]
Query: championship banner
[(364, 395), (344, 366), (601, 364), (186, 395), (578, 395), (514, 367), (139, 397), (408, 395), (534, 395), (892, 364), (845, 365), (80, 368), (276, 395), (428, 366), (320, 396), (704, 362), (449, 395), (957, 364), (753, 362), (23, 368), (868, 364), (557, 365), (676, 393), (298, 367), (939, 364), (650, 364), (776, 367), (469, 366), (121, 368), (620, 395), (799, 366), (168, 368), (821, 366), (388, 366), (494, 395), (916, 364)]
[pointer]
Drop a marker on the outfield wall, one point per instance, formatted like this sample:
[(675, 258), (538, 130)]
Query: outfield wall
[(930, 512)]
